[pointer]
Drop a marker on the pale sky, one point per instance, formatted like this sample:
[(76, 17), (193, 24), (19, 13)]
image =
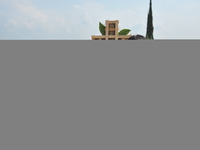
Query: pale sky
[(79, 19)]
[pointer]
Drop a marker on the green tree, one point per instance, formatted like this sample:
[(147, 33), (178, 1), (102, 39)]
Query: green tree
[(150, 28), (102, 28)]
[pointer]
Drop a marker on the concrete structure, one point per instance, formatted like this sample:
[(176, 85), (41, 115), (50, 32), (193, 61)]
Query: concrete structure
[(111, 32)]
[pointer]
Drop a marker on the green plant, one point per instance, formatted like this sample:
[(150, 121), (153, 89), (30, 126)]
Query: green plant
[(102, 28), (124, 32)]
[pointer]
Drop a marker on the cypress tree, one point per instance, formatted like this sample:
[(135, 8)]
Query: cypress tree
[(149, 34)]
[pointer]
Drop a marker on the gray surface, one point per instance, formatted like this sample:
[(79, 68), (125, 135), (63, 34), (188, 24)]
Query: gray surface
[(80, 97)]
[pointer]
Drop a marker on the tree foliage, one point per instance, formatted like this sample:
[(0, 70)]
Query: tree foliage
[(102, 28), (124, 32), (150, 28)]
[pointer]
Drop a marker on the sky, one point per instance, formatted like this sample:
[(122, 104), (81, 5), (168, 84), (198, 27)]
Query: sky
[(79, 19)]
